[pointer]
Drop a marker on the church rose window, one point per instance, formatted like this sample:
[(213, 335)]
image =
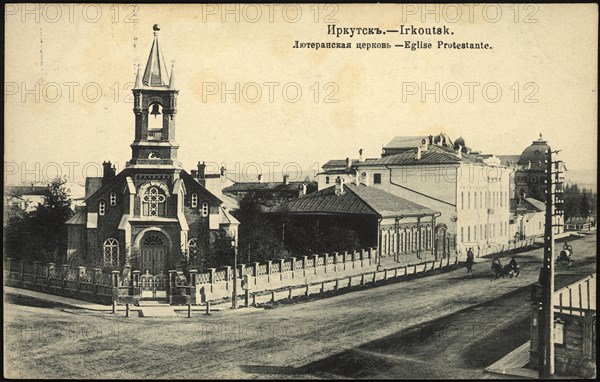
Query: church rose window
[(194, 200), (113, 199), (205, 209), (153, 202), (111, 252), (102, 207)]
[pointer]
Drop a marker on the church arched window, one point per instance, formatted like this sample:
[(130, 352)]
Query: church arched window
[(193, 246), (102, 208), (153, 202), (111, 252), (204, 209)]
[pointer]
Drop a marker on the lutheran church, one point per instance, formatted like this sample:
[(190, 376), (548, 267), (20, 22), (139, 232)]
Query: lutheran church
[(153, 205)]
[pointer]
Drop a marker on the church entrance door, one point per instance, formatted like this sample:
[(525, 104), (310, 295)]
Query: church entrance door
[(154, 251)]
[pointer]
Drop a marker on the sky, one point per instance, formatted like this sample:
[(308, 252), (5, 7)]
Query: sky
[(69, 70)]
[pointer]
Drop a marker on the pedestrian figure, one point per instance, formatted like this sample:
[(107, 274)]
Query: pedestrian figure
[(514, 267), (470, 260)]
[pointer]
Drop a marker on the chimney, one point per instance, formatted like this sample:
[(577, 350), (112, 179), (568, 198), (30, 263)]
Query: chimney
[(303, 190), (259, 176), (360, 156), (459, 151), (286, 179), (201, 170), (424, 144), (194, 174), (348, 163), (357, 177), (223, 171), (339, 186), (418, 153), (108, 172), (431, 139)]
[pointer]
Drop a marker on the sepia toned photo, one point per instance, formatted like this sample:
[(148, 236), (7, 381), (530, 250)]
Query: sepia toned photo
[(300, 191)]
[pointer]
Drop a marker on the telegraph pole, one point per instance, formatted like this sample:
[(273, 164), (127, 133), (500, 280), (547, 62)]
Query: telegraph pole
[(546, 313)]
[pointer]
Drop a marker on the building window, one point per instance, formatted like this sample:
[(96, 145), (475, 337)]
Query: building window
[(480, 199), (153, 202), (462, 234), (376, 178), (111, 252), (101, 208), (475, 232), (462, 200), (204, 209), (469, 233), (113, 198), (193, 247), (194, 200), (326, 180), (469, 200), (475, 199)]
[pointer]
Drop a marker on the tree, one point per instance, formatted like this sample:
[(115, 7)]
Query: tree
[(49, 220), (42, 234), (259, 239)]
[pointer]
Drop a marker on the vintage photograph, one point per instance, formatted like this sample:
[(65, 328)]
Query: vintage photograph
[(300, 191)]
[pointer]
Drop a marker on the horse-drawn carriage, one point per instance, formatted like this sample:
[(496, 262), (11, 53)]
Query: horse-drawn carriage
[(565, 255), (511, 269)]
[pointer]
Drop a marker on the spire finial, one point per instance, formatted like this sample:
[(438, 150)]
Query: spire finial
[(138, 80), (172, 78), (540, 136), (156, 28)]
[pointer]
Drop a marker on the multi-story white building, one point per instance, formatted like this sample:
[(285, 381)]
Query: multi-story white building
[(469, 189)]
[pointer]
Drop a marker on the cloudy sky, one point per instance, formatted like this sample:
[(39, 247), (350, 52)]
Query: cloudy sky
[(69, 72)]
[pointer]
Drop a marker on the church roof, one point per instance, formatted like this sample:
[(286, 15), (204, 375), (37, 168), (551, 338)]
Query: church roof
[(533, 156), (156, 74)]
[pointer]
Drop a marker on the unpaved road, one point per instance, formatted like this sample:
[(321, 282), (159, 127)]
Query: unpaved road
[(445, 325)]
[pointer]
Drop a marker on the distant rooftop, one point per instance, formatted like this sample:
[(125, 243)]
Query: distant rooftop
[(360, 200)]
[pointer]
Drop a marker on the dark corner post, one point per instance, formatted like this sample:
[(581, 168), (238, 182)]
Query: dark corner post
[(234, 273)]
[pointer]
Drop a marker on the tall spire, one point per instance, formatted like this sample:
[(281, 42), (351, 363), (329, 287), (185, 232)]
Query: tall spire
[(156, 70)]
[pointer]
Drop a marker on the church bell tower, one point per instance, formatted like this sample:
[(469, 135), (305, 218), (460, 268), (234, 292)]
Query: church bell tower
[(155, 106)]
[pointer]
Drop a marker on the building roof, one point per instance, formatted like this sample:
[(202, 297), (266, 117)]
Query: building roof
[(433, 155), (78, 219), (27, 190), (358, 200), (538, 205), (265, 186), (508, 159), (406, 142), (533, 156), (342, 163)]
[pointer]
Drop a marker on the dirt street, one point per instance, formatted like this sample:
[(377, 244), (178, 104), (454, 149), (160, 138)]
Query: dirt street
[(448, 325)]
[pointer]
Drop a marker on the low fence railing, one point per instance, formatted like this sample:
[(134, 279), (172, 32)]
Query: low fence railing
[(339, 283)]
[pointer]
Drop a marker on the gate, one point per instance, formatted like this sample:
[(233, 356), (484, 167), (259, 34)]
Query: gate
[(153, 286)]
